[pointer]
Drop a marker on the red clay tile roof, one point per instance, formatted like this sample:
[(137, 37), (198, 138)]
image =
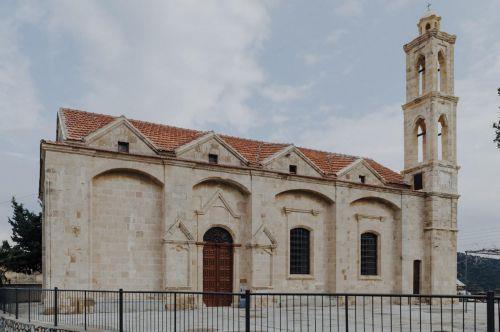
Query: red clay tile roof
[(79, 124)]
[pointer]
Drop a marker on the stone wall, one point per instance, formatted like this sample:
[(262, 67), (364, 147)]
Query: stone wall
[(12, 325), (135, 222)]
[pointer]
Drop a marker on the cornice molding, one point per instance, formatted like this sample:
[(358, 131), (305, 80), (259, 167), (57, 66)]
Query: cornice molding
[(360, 217), (288, 210), (74, 148), (429, 97), (433, 33), (430, 164)]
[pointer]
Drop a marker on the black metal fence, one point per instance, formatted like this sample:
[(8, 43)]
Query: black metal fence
[(188, 311)]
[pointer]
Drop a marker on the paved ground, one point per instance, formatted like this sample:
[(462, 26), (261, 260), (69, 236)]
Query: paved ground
[(140, 316)]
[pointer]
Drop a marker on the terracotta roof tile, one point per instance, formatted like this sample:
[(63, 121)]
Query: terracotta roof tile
[(79, 124)]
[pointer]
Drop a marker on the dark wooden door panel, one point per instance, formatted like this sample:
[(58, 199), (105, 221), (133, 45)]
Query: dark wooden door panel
[(217, 273)]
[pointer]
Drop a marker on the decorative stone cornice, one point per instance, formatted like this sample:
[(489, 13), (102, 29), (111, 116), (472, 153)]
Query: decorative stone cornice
[(430, 96), (287, 210), (442, 229), (430, 164), (165, 241), (75, 148), (360, 217), (252, 245), (426, 36)]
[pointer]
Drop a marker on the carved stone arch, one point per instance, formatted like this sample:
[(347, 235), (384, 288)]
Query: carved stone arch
[(419, 120), (442, 83), (218, 235), (442, 138), (128, 204), (443, 118), (125, 170), (308, 192), (232, 183), (224, 227), (420, 75), (372, 231), (420, 138), (379, 200), (306, 227)]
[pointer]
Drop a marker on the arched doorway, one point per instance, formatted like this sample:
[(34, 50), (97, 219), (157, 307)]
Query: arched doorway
[(217, 266)]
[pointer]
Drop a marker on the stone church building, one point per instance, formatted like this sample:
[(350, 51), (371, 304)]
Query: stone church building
[(143, 206)]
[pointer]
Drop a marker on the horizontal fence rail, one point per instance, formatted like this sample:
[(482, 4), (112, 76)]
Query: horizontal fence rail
[(201, 311)]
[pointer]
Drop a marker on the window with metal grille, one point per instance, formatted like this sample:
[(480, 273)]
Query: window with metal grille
[(299, 251), (123, 147), (369, 254), (293, 169), (213, 158)]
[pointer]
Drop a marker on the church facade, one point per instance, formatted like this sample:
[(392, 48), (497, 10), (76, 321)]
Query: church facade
[(142, 206)]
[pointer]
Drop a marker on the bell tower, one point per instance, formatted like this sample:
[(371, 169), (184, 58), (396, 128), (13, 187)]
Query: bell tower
[(430, 150), (430, 158)]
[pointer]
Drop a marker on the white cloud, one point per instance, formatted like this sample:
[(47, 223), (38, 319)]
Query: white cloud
[(377, 135), (478, 156), (398, 4), (286, 93), (19, 104), (350, 8), (334, 37), (311, 59), (181, 62)]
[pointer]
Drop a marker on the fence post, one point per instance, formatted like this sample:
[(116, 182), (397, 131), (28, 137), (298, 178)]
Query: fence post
[(120, 305), (346, 306), (85, 310), (247, 310), (29, 304), (17, 305), (175, 311), (55, 306), (490, 311)]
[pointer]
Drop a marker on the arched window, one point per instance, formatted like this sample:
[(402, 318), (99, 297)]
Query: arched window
[(299, 251), (420, 140), (427, 26), (421, 76), (442, 138), (442, 80), (369, 254)]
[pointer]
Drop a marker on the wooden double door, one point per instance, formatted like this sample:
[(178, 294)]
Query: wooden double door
[(217, 267)]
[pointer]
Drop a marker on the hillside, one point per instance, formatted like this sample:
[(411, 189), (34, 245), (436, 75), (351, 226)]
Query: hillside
[(483, 273)]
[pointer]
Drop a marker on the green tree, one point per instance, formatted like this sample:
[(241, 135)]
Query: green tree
[(26, 254), (496, 126)]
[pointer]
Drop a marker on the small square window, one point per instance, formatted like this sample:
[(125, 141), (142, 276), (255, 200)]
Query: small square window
[(418, 183), (123, 147), (362, 178), (293, 169), (213, 158)]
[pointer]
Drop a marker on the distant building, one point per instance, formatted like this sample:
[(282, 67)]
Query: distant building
[(461, 288), (136, 205)]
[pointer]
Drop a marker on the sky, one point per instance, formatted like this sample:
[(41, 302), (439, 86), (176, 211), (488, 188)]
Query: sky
[(328, 75)]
